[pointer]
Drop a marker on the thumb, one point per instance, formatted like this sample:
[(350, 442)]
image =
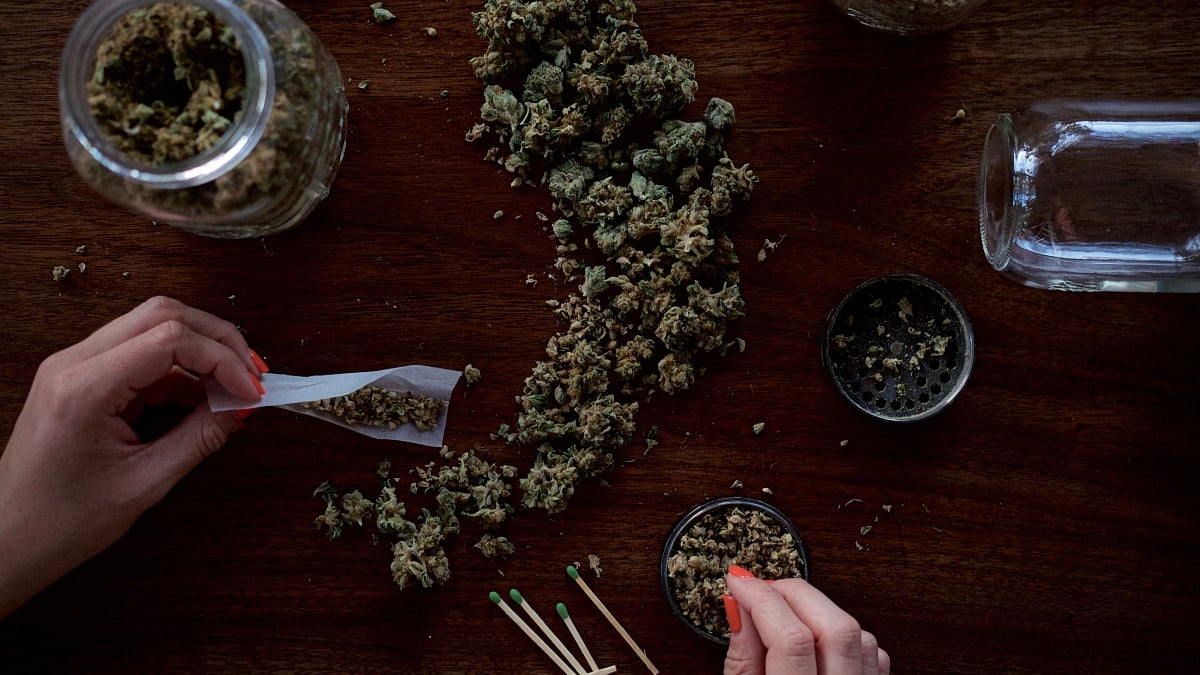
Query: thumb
[(746, 653), (199, 435)]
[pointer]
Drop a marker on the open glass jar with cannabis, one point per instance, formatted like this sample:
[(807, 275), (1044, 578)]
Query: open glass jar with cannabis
[(225, 118)]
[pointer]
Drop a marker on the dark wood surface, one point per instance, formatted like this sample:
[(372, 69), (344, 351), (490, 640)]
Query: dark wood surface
[(1047, 521)]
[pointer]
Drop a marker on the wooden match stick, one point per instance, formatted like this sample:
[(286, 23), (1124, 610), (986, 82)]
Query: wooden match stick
[(529, 631), (516, 596), (562, 611), (574, 574)]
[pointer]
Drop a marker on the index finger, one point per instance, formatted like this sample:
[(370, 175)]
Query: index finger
[(156, 311), (116, 377)]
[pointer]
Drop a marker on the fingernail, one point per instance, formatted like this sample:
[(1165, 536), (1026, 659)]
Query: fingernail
[(258, 385), (739, 572), (732, 614), (245, 412), (770, 581), (258, 362)]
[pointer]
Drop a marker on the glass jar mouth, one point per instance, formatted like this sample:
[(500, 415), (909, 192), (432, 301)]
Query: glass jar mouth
[(78, 68), (996, 228)]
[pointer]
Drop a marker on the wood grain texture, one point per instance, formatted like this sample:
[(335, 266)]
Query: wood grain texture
[(1047, 521)]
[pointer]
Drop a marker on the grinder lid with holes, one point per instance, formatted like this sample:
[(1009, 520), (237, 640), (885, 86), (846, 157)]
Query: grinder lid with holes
[(899, 347)]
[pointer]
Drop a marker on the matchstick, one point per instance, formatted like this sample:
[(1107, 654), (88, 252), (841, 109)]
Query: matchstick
[(529, 631), (562, 611), (516, 596), (574, 574)]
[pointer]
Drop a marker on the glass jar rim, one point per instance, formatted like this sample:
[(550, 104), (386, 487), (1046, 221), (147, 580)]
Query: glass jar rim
[(996, 227), (78, 68)]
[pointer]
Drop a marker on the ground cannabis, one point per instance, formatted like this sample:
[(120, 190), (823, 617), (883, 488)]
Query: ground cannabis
[(379, 407), (895, 343), (578, 103), (732, 536)]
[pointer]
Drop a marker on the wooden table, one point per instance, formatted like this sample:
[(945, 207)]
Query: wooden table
[(1047, 521)]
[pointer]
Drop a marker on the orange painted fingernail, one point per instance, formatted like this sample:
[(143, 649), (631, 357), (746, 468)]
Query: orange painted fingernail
[(732, 614), (258, 362), (740, 572), (770, 581), (245, 412), (258, 385)]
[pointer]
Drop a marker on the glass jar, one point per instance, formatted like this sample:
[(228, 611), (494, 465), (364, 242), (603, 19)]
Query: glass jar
[(268, 147), (909, 17), (1094, 195)]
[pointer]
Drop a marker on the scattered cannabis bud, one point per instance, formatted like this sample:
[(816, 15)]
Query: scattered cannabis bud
[(495, 547), (60, 273), (594, 563), (758, 428), (470, 487), (378, 407), (575, 101), (81, 250), (593, 116), (471, 375), (381, 13), (732, 536)]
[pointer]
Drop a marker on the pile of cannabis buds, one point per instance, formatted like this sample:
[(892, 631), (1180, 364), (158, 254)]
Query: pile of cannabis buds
[(576, 102)]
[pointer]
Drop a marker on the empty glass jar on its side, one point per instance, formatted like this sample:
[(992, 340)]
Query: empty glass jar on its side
[(265, 173), (1094, 195), (909, 17)]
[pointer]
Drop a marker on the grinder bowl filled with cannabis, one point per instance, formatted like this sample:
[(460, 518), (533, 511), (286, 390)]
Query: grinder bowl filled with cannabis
[(225, 118), (899, 347), (713, 536)]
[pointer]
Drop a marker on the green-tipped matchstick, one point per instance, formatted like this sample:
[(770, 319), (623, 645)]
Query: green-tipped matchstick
[(562, 611), (574, 574), (495, 597), (516, 596)]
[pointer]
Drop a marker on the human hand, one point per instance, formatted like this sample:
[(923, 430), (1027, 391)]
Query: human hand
[(788, 626), (75, 474)]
